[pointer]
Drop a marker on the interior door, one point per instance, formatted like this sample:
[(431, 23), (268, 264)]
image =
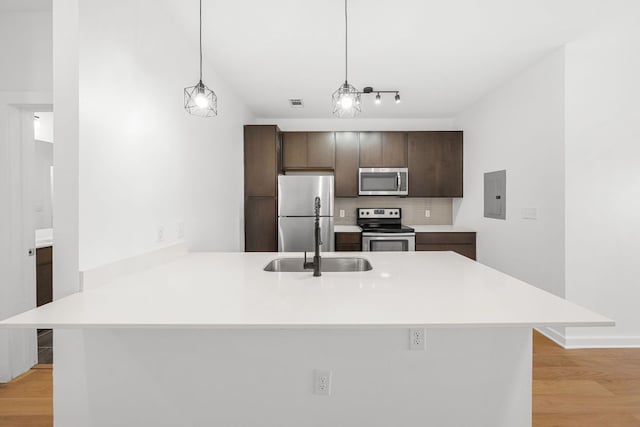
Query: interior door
[(19, 292)]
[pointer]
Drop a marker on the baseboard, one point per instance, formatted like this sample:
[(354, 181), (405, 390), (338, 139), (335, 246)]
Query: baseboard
[(587, 342), (99, 276), (602, 342)]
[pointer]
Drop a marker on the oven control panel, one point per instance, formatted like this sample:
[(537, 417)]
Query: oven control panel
[(380, 213)]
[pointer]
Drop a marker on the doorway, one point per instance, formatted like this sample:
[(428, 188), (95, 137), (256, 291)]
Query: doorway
[(26, 193), (42, 188)]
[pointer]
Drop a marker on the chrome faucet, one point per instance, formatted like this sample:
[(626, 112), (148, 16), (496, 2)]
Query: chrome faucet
[(317, 241)]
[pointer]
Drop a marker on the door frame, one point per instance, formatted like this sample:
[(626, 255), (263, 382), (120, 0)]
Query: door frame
[(19, 293)]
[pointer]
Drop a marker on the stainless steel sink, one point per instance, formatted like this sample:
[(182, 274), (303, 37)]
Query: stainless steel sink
[(329, 265)]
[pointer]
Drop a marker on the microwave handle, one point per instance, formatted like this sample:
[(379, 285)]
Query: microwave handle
[(399, 181)]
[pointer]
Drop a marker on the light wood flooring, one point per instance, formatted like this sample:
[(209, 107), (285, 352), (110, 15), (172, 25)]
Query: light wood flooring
[(571, 388)]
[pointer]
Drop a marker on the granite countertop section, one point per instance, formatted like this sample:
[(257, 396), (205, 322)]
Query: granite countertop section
[(231, 290), (441, 229), (346, 229)]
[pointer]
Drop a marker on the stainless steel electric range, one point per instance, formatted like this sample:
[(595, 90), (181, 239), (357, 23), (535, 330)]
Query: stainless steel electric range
[(382, 230)]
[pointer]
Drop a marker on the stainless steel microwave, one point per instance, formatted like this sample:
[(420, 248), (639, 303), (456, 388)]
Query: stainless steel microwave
[(383, 181)]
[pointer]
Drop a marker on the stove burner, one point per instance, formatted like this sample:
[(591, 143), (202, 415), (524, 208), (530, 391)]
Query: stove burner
[(382, 220)]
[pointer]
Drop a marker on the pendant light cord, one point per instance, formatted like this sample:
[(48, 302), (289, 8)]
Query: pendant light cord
[(201, 40), (346, 44)]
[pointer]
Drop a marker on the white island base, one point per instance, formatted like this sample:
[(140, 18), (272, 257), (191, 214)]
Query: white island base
[(157, 377), (211, 339)]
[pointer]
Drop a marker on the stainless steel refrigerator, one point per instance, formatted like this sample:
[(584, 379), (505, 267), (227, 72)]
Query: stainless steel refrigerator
[(296, 197)]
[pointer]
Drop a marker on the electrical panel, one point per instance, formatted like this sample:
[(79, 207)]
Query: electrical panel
[(495, 194)]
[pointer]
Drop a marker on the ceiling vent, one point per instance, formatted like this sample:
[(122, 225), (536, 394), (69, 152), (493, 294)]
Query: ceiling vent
[(296, 103)]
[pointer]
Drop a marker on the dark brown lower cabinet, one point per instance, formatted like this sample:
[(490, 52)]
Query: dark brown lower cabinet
[(348, 242), (44, 275), (462, 243), (261, 224)]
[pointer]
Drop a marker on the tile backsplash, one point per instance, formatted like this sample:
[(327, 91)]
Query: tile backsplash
[(413, 209)]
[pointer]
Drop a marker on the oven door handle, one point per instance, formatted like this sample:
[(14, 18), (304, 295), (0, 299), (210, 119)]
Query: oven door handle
[(398, 180), (387, 236)]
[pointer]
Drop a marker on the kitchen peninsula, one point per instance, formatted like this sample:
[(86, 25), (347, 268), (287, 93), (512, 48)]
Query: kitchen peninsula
[(213, 339)]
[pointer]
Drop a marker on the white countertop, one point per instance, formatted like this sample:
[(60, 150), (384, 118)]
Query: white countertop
[(441, 229), (346, 229), (44, 237), (230, 290)]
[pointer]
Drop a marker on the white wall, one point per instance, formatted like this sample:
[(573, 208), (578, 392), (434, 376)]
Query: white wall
[(603, 180), (25, 78), (519, 127), (66, 279), (359, 124), (144, 162), (25, 51)]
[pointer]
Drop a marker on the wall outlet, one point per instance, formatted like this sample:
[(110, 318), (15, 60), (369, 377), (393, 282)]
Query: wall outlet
[(416, 339), (322, 382), (160, 233), (427, 213), (181, 230), (341, 213)]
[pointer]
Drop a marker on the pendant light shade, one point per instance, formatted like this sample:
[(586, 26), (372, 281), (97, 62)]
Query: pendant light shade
[(346, 99), (199, 100)]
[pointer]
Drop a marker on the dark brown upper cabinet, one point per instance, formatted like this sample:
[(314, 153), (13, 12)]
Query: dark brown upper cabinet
[(294, 150), (308, 150), (261, 160), (321, 150), (370, 149), (383, 149), (346, 171), (394, 149), (435, 164)]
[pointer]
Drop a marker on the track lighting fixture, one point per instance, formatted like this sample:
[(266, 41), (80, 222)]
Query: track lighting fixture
[(346, 99)]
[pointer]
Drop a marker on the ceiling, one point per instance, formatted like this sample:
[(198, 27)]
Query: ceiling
[(441, 55)]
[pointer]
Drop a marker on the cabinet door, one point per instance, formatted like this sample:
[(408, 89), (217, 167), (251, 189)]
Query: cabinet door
[(348, 242), (346, 169), (462, 243), (260, 218), (394, 149), (370, 149), (435, 164), (320, 150), (294, 150), (260, 161)]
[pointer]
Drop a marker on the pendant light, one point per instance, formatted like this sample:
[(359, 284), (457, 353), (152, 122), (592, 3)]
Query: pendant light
[(199, 100), (346, 99)]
